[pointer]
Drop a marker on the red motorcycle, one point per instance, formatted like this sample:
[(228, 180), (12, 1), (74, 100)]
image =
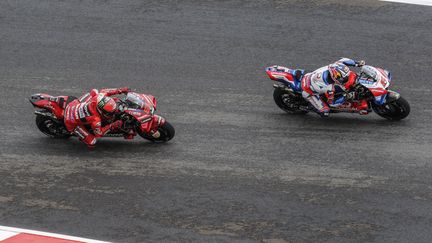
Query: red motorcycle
[(137, 113)]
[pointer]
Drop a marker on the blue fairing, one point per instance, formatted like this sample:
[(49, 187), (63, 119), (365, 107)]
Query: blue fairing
[(297, 82), (297, 86), (339, 101), (379, 100)]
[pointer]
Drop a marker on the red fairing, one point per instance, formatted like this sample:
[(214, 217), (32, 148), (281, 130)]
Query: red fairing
[(378, 92), (148, 122), (157, 122), (139, 115), (383, 73), (274, 75), (150, 101), (153, 99), (55, 104)]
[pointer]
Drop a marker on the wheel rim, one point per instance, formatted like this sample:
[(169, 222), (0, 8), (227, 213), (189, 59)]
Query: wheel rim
[(390, 110), (163, 135), (52, 128), (288, 102)]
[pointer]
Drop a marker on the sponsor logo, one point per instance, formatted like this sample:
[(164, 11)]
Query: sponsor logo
[(84, 97), (364, 81), (81, 111), (144, 119), (86, 110)]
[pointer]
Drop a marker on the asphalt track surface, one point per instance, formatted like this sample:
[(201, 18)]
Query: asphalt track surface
[(239, 169)]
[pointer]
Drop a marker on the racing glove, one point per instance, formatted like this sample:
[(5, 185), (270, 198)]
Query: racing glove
[(124, 90), (116, 125), (330, 96), (360, 63)]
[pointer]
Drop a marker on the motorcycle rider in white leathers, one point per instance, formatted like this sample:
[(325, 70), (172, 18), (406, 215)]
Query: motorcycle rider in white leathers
[(322, 82)]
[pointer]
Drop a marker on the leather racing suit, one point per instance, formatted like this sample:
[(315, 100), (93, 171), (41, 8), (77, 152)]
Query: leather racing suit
[(319, 84), (82, 114)]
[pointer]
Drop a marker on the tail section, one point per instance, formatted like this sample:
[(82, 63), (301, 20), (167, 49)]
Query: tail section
[(289, 77), (54, 104)]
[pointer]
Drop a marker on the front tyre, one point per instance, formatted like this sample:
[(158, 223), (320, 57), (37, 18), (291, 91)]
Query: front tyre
[(396, 110), (166, 131), (51, 128), (288, 101)]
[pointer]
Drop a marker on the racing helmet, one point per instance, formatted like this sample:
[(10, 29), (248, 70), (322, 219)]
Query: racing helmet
[(339, 72), (106, 105)]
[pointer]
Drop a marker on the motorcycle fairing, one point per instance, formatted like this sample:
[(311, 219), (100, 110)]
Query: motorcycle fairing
[(289, 77), (145, 102), (153, 125), (54, 104), (148, 122), (140, 115), (377, 80)]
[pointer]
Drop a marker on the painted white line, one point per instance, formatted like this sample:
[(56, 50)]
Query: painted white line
[(15, 231), (419, 2), (6, 234)]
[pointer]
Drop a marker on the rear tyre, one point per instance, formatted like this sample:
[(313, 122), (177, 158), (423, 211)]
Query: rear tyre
[(288, 101), (51, 128), (166, 131), (396, 110)]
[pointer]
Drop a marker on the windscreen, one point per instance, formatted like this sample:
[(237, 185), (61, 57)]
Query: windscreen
[(369, 72), (135, 99)]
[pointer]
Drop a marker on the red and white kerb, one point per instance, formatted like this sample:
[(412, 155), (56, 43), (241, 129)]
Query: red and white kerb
[(15, 235)]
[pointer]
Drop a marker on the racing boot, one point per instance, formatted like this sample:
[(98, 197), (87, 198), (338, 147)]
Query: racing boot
[(318, 105), (130, 135), (362, 107)]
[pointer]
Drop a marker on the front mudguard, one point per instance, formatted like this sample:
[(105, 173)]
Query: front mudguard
[(387, 97), (153, 124), (392, 96)]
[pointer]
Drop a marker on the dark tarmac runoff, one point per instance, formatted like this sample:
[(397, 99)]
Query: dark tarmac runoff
[(239, 168)]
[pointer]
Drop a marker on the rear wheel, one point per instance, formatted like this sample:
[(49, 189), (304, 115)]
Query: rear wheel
[(166, 132), (288, 101), (396, 110), (51, 128)]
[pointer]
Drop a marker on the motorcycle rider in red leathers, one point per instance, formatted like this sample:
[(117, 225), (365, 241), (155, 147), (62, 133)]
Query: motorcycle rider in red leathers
[(323, 81), (91, 110)]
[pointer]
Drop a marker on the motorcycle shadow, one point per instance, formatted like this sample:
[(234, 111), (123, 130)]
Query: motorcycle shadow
[(341, 120), (105, 146)]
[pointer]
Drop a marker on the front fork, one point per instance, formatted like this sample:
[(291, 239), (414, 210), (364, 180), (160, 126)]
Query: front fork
[(392, 96), (152, 127)]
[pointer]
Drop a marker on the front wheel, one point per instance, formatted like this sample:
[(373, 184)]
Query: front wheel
[(166, 132), (396, 110), (51, 128), (288, 101)]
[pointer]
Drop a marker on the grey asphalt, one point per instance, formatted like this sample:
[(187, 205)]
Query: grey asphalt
[(239, 168)]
